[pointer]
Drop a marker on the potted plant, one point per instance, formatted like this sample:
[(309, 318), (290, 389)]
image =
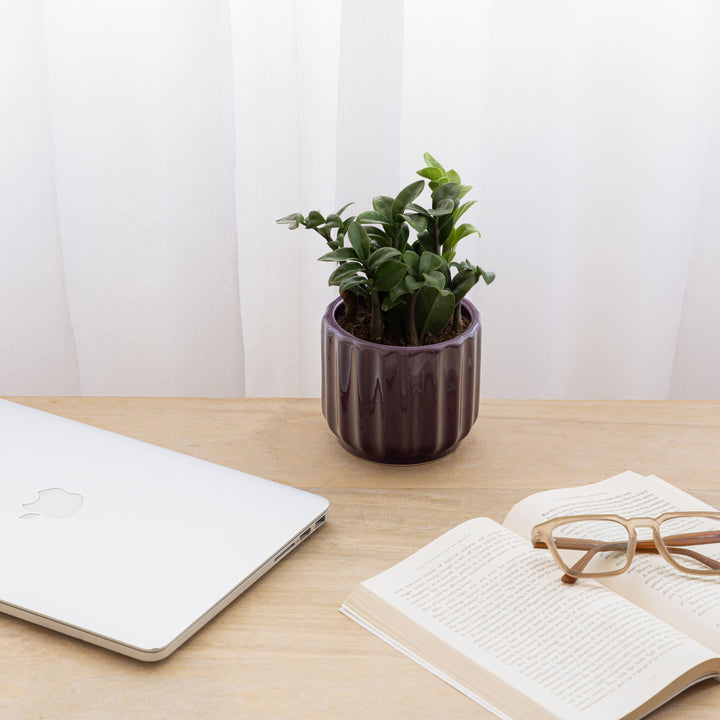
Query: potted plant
[(401, 345)]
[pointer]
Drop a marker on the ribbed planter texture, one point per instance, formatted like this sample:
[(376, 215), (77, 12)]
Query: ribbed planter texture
[(400, 404)]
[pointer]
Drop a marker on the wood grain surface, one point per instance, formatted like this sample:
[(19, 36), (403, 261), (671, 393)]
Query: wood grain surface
[(283, 650)]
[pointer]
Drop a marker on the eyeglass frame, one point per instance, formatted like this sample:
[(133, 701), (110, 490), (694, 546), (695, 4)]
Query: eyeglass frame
[(541, 537)]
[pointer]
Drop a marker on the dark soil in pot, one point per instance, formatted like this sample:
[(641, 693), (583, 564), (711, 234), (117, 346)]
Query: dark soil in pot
[(360, 328)]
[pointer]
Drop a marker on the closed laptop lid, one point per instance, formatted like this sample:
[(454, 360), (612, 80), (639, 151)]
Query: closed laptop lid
[(128, 545)]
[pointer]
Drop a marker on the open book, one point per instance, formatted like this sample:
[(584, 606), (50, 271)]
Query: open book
[(488, 613)]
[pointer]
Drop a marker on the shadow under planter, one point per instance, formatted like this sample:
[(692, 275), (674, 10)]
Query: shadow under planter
[(396, 404)]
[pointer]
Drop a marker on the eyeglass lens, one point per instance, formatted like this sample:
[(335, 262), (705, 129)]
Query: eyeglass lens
[(693, 542), (592, 546)]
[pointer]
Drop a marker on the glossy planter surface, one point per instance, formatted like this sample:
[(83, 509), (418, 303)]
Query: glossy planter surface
[(400, 404)]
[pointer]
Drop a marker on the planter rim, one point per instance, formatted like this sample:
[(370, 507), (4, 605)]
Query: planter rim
[(410, 349)]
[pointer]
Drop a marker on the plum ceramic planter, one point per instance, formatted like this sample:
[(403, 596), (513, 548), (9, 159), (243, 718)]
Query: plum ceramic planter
[(400, 404)]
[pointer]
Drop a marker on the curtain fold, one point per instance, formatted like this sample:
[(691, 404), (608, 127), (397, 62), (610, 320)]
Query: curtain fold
[(285, 57), (697, 352), (138, 165), (37, 348), (147, 148)]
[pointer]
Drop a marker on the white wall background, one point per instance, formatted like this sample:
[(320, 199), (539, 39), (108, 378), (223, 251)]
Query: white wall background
[(146, 148)]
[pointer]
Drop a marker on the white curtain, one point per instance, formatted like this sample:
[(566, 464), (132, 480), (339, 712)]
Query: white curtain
[(118, 245), (146, 149)]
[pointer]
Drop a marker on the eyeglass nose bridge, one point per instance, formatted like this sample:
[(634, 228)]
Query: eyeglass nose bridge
[(644, 523), (654, 544)]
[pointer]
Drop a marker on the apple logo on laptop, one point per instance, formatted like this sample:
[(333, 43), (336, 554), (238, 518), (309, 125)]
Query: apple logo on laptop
[(54, 503)]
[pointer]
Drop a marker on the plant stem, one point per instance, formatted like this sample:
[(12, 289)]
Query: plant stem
[(457, 318), (376, 325), (411, 329), (396, 236), (324, 233), (351, 304)]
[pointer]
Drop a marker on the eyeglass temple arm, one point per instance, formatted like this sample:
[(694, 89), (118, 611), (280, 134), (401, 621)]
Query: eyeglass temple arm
[(580, 565), (575, 544), (675, 543), (702, 538), (646, 546)]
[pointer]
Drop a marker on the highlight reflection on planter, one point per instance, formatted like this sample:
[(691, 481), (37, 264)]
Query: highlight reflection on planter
[(400, 404)]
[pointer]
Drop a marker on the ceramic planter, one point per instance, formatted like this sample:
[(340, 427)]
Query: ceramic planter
[(400, 404)]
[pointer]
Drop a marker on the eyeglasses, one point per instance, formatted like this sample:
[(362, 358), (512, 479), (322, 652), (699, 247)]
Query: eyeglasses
[(586, 546)]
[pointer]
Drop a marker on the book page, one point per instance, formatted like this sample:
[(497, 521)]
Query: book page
[(690, 603), (582, 652)]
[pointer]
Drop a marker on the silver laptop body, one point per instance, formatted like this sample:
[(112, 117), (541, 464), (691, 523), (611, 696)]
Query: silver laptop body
[(128, 545)]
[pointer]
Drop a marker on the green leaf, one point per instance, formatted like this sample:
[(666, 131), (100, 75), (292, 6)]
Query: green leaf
[(463, 281), (359, 240), (435, 279), (343, 208), (343, 253), (431, 173), (412, 260), (419, 209), (444, 207), (447, 190), (293, 220), (487, 276), (333, 221), (464, 230), (372, 216), (416, 221), (464, 190), (445, 270), (432, 162), (433, 310), (345, 270), (390, 302), (397, 293), (402, 239), (314, 219), (429, 262), (378, 236), (424, 243), (352, 282), (405, 197), (462, 209), (383, 204), (388, 275), (382, 255), (453, 177), (412, 284), (464, 265), (450, 241)]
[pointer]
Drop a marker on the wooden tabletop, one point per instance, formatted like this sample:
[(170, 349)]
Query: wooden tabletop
[(283, 650)]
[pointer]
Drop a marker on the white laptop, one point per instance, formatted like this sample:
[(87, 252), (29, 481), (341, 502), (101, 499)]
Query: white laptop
[(128, 545)]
